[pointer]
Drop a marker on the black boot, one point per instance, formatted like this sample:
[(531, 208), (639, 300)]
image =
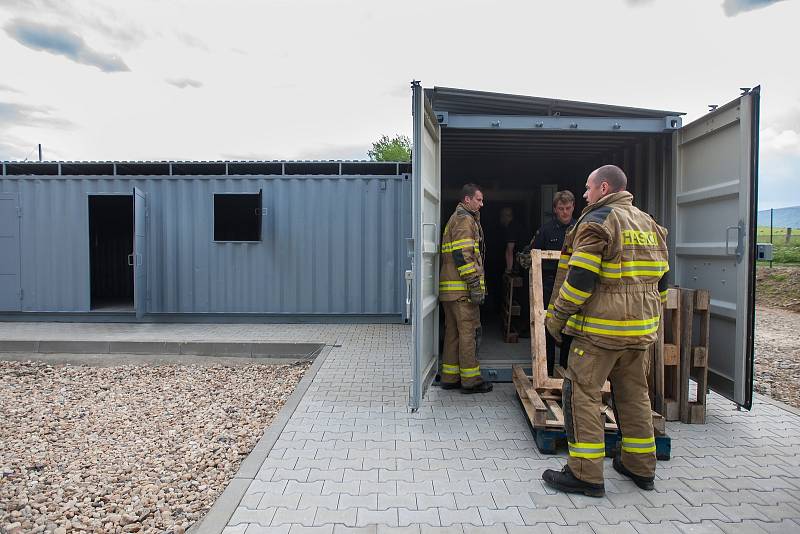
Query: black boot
[(450, 385), (565, 481), (483, 387), (646, 483)]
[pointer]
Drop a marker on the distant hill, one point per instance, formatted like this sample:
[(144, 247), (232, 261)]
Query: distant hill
[(782, 217)]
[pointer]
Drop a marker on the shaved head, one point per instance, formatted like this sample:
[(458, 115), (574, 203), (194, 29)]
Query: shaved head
[(603, 181), (617, 181)]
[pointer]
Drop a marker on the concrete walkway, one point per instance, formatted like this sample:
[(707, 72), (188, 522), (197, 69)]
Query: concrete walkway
[(352, 458)]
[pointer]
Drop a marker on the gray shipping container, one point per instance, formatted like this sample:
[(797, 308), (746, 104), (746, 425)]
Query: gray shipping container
[(698, 180), (107, 240)]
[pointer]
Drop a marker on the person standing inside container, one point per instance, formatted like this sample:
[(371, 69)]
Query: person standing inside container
[(551, 237), (462, 290)]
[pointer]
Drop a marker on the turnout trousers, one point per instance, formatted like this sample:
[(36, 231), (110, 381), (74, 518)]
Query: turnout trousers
[(589, 367), (462, 336)]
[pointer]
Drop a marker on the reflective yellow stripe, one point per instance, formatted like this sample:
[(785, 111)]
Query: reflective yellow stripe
[(573, 289), (563, 261), (565, 294), (459, 244), (470, 372), (610, 327), (587, 450), (457, 286), (634, 268), (466, 266), (579, 259), (663, 295), (450, 369), (639, 445)]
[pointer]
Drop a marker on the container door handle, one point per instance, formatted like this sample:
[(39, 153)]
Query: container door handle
[(409, 281), (130, 260), (738, 251)]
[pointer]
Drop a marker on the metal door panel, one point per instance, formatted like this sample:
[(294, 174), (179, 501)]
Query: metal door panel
[(139, 252), (426, 190), (10, 295), (714, 233)]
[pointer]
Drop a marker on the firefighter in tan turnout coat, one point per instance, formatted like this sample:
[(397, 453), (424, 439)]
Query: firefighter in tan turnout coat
[(462, 290), (608, 295)]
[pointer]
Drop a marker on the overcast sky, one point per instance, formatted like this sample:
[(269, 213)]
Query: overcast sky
[(299, 79)]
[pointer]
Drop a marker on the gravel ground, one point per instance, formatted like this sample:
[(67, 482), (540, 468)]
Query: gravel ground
[(778, 354), (127, 448)]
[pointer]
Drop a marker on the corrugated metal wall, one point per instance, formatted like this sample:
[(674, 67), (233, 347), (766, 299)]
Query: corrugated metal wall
[(330, 244)]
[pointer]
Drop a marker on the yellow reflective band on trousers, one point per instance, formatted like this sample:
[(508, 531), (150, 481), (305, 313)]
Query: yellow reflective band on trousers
[(457, 286), (573, 294), (663, 295), (587, 450), (639, 445), (590, 262), (450, 369), (609, 327), (467, 268), (469, 372)]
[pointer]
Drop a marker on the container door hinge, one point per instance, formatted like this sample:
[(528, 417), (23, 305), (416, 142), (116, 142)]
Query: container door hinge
[(19, 211), (21, 293)]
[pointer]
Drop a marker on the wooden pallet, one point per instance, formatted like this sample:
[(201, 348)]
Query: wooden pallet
[(676, 357), (541, 395), (665, 368), (550, 440), (695, 309), (544, 407), (511, 309)]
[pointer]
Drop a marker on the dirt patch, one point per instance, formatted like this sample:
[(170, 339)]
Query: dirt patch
[(778, 287), (127, 448), (777, 357)]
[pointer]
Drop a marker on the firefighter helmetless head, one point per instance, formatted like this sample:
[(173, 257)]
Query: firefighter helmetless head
[(604, 181), (472, 197)]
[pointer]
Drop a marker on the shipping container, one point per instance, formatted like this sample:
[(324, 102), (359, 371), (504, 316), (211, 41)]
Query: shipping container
[(698, 180), (166, 241)]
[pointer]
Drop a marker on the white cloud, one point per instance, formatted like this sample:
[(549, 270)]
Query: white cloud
[(183, 83), (780, 141)]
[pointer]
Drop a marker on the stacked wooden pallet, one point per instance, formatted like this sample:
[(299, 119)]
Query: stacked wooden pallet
[(681, 354), (541, 395), (511, 308)]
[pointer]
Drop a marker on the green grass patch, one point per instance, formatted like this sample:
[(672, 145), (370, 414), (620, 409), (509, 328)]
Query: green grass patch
[(784, 252)]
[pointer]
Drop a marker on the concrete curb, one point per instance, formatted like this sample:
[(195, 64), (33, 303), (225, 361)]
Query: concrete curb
[(273, 349), (221, 511)]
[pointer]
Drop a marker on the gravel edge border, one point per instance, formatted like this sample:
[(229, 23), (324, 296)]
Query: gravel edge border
[(215, 521)]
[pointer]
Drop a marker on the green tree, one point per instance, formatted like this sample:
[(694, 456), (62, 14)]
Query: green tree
[(397, 148)]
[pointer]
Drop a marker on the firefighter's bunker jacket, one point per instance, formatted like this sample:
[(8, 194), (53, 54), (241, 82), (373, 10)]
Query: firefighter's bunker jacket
[(610, 283), (462, 256)]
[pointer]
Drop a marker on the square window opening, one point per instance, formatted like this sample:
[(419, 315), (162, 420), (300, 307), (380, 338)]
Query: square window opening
[(237, 216)]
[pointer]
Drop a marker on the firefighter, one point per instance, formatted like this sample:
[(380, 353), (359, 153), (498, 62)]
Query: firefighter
[(551, 237), (462, 289), (609, 299)]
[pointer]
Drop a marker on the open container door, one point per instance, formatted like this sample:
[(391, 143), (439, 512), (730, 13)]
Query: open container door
[(714, 215), (139, 248), (426, 200)]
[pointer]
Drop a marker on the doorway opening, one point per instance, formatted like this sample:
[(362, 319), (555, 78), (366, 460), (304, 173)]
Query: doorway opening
[(111, 252), (522, 170)]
